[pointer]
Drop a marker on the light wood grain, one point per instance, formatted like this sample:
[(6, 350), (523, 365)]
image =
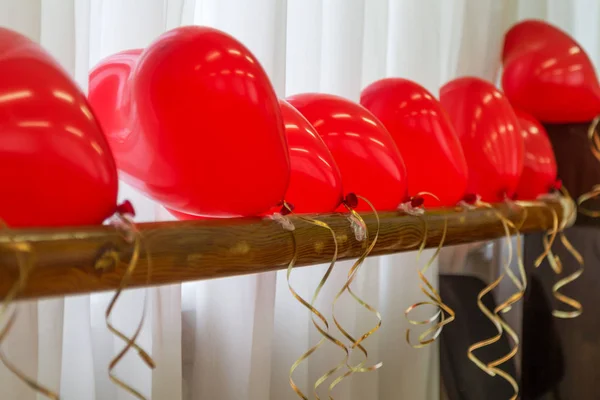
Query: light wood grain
[(193, 250)]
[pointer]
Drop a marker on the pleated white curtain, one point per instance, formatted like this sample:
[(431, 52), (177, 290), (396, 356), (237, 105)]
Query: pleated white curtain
[(235, 339)]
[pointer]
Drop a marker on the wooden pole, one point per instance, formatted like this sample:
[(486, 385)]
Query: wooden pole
[(67, 259)]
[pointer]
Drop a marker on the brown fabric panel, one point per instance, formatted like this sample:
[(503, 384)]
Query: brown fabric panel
[(578, 344)]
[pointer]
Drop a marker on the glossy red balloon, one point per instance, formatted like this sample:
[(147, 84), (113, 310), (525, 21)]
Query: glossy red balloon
[(368, 159), (424, 135), (315, 180), (55, 165), (196, 124), (539, 168), (489, 133), (547, 74)]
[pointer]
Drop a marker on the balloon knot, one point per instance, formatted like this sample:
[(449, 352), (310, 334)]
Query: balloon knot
[(417, 201), (556, 186), (351, 200), (470, 198), (503, 195), (286, 208), (126, 208)]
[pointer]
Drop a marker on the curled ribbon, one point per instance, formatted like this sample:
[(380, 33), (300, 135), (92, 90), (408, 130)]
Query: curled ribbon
[(592, 194), (131, 234), (350, 203), (25, 259), (593, 138), (444, 314), (288, 225), (555, 261), (491, 368)]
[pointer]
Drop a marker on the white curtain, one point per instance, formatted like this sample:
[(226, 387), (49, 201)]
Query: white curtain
[(236, 338)]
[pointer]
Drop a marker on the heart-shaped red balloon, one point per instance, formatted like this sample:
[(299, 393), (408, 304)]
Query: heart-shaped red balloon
[(315, 180), (424, 135), (56, 168), (489, 133), (368, 159), (539, 167), (548, 74), (196, 125)]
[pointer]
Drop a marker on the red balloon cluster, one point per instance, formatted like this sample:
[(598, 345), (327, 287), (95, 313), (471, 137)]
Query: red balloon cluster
[(194, 123)]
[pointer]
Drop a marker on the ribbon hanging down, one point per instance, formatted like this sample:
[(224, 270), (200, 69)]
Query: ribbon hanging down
[(492, 368), (110, 257), (443, 314), (361, 232), (25, 260), (288, 225)]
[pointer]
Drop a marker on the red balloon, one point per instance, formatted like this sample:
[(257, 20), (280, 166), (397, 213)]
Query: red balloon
[(368, 159), (56, 168), (488, 130), (548, 74), (424, 135), (315, 180), (539, 168), (196, 124)]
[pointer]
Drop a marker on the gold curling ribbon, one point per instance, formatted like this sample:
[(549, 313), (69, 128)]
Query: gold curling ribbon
[(25, 259), (556, 263), (501, 326), (431, 334), (593, 138), (357, 343), (310, 306), (592, 194), (131, 230)]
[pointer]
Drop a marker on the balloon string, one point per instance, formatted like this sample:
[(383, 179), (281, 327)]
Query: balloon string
[(500, 325), (310, 306), (592, 194), (131, 230), (557, 265), (576, 305), (431, 334), (594, 138), (25, 259), (520, 283), (357, 343)]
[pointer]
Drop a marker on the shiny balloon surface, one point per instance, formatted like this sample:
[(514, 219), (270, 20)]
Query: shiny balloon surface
[(56, 168), (369, 161), (489, 133), (196, 124), (547, 74), (424, 135), (539, 171)]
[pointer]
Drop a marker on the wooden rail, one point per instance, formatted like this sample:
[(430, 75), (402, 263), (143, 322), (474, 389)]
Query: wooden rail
[(66, 258)]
